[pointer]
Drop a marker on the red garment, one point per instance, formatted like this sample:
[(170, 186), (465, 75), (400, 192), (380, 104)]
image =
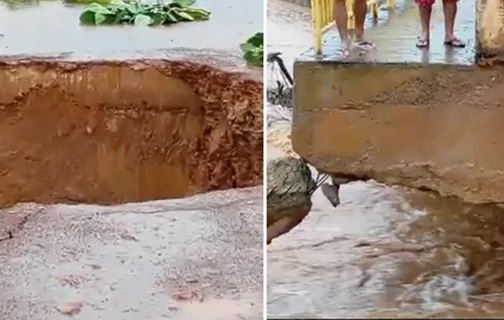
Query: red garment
[(429, 3)]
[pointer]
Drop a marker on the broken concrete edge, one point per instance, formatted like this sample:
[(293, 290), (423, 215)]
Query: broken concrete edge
[(224, 61), (421, 176), (431, 127)]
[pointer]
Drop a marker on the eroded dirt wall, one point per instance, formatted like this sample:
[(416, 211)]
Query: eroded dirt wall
[(436, 127), (108, 132)]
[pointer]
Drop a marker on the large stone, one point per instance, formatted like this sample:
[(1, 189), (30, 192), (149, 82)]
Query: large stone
[(290, 186)]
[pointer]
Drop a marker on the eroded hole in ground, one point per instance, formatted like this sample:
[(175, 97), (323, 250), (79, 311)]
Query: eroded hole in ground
[(110, 132), (114, 132)]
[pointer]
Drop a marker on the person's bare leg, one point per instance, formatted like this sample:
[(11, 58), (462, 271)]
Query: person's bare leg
[(360, 10), (425, 18), (450, 12), (341, 19)]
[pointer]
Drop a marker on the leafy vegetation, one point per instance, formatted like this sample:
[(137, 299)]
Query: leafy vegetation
[(253, 49), (134, 12)]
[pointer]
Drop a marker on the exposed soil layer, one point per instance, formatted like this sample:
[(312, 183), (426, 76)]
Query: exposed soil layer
[(109, 132)]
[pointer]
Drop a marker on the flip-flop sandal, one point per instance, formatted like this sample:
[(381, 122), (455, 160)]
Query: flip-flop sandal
[(422, 43), (455, 43), (343, 52), (365, 45)]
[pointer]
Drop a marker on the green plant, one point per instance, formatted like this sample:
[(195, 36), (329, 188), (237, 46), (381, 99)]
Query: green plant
[(134, 12), (253, 49)]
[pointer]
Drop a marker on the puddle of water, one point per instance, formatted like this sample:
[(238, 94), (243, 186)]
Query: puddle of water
[(53, 27)]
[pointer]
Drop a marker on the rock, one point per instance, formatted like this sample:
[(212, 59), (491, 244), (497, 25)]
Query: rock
[(290, 186), (69, 308)]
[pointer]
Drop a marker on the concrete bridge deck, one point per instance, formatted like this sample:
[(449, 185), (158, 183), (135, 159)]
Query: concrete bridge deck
[(401, 115), (395, 35)]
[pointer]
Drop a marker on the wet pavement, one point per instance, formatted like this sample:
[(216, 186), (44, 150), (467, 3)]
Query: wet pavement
[(52, 28), (192, 258), (395, 35), (289, 30)]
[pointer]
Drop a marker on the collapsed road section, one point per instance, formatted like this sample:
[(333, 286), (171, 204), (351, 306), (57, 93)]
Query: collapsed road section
[(110, 132), (119, 131), (115, 131)]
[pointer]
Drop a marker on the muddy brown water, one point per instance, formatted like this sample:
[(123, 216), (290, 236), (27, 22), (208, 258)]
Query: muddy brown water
[(389, 252), (385, 251)]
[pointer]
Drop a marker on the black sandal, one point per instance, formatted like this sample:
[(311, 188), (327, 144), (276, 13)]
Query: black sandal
[(365, 45), (455, 43)]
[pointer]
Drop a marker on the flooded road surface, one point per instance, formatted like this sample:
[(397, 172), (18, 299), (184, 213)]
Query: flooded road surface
[(192, 258), (52, 27), (385, 252)]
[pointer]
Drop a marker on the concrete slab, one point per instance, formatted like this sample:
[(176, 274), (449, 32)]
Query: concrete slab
[(436, 127), (193, 258)]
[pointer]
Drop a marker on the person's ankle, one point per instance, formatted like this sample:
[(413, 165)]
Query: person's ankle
[(358, 35), (344, 41)]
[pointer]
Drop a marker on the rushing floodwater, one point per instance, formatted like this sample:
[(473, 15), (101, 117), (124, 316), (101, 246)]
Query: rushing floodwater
[(384, 252), (389, 252)]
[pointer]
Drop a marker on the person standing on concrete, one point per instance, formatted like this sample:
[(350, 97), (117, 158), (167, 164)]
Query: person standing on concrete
[(341, 18), (450, 12)]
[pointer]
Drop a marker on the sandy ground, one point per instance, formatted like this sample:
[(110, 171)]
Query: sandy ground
[(193, 258)]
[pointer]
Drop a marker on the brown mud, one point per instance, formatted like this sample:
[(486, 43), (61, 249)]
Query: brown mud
[(120, 131)]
